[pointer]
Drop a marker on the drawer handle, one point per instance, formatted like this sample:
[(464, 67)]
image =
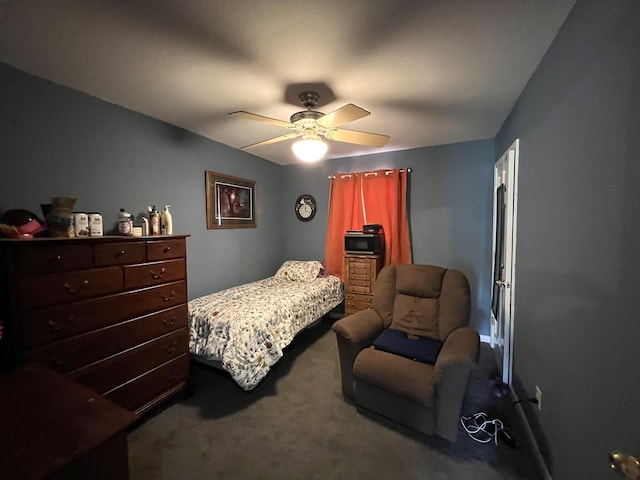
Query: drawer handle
[(168, 322), (120, 253), (54, 326), (58, 258), (166, 298), (155, 275), (74, 291), (166, 249), (172, 376), (172, 348)]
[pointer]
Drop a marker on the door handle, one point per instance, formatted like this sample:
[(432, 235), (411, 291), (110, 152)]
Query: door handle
[(624, 463)]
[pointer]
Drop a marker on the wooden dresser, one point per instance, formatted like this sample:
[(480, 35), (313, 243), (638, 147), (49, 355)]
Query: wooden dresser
[(110, 312), (360, 272)]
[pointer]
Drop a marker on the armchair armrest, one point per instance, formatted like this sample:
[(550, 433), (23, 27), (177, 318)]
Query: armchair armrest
[(354, 333), (361, 327), (461, 346), (459, 355)]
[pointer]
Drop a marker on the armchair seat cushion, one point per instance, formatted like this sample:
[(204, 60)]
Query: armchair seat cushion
[(396, 374), (421, 349)]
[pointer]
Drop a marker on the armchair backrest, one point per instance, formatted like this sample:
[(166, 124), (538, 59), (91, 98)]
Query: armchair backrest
[(422, 300)]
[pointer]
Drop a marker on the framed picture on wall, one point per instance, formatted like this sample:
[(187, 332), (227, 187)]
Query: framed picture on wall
[(231, 201)]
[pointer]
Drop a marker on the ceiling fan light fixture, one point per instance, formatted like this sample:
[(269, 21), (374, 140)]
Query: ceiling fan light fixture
[(309, 149)]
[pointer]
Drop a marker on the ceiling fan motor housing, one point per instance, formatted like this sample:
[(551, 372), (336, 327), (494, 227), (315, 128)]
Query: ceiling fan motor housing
[(311, 115), (308, 100)]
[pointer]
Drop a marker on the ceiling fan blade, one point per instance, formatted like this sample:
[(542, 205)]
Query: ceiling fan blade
[(260, 118), (346, 114), (272, 140), (359, 138)]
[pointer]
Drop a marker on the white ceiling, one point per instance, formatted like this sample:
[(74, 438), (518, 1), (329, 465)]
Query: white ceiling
[(430, 72)]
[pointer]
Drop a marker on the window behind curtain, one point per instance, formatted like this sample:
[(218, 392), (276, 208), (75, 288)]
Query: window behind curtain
[(368, 197)]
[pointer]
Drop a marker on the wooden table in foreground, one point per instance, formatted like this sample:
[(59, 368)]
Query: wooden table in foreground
[(52, 427)]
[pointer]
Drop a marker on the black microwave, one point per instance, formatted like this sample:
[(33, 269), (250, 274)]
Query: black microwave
[(364, 243)]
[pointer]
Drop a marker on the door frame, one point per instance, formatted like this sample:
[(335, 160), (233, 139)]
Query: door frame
[(502, 335)]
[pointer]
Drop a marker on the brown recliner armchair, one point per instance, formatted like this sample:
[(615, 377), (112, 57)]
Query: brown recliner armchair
[(421, 301)]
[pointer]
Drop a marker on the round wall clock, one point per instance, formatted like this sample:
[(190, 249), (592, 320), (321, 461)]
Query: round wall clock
[(305, 207)]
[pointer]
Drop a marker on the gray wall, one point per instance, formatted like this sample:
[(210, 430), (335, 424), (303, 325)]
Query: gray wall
[(577, 321), (57, 141), (450, 209)]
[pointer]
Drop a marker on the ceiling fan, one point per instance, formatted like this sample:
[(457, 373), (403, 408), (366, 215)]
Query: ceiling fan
[(311, 125)]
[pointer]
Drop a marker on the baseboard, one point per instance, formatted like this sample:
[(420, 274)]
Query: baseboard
[(522, 418)]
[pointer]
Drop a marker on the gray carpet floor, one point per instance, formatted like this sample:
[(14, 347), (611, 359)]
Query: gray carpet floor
[(297, 425)]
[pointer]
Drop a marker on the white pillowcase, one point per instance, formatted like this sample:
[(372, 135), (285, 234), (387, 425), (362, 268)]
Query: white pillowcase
[(299, 270)]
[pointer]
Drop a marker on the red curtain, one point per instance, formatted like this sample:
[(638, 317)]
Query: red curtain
[(345, 213), (371, 197)]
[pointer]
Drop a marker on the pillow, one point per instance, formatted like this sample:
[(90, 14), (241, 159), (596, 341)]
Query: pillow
[(324, 272), (299, 270), (421, 349)]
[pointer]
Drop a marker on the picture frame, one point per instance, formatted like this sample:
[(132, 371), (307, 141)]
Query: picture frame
[(231, 201)]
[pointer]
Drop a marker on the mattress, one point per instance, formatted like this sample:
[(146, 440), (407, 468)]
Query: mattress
[(247, 327)]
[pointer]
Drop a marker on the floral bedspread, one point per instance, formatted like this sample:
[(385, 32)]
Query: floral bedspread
[(248, 326)]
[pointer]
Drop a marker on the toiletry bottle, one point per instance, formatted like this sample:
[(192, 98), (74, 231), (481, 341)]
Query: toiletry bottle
[(145, 225), (167, 221), (125, 224), (155, 221), (149, 225)]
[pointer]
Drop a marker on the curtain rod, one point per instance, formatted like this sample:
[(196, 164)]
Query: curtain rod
[(347, 175)]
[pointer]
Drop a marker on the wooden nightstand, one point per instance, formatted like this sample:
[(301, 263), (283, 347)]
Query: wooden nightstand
[(360, 273)]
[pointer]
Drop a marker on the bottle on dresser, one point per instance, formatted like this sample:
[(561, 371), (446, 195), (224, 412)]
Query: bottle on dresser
[(154, 221), (144, 222), (167, 221), (125, 223)]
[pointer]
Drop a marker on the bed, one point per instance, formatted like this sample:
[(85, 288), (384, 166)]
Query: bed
[(244, 329)]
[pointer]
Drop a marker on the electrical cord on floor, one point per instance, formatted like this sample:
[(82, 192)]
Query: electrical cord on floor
[(483, 429), (533, 400)]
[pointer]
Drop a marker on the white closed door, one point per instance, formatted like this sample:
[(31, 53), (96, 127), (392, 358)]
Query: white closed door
[(505, 196)]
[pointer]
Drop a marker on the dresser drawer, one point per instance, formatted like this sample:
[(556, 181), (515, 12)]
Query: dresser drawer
[(68, 287), (361, 283), (356, 307), (359, 288), (358, 302), (154, 273), (164, 249), (359, 298), (359, 260), (359, 270), (159, 297), (360, 277), (76, 352), (38, 258), (107, 254), (136, 394), (113, 372), (57, 323)]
